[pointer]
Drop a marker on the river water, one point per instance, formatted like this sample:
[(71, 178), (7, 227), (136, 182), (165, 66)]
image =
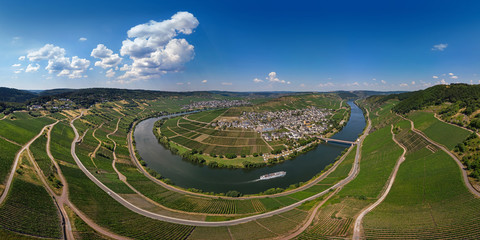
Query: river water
[(188, 175)]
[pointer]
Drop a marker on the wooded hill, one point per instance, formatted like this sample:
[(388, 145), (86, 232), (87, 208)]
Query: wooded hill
[(460, 95)]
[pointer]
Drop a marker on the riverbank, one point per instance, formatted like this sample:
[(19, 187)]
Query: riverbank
[(192, 176)]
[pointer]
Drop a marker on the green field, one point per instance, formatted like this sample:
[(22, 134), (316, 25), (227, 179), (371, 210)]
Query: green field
[(7, 156), (29, 209), (437, 130), (23, 127), (439, 206)]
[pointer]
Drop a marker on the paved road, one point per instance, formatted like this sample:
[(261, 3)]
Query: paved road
[(15, 163), (353, 173), (357, 229), (135, 160)]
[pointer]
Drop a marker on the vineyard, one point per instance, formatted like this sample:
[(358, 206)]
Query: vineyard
[(29, 209)]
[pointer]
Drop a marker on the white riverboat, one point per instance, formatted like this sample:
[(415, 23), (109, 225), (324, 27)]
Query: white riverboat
[(273, 175)]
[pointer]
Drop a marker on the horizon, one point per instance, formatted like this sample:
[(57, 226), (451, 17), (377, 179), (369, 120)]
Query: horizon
[(209, 46)]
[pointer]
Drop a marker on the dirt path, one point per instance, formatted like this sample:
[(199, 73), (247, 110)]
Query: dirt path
[(135, 160), (312, 216), (93, 154), (15, 163), (156, 216), (358, 229), (466, 181), (64, 200), (10, 141)]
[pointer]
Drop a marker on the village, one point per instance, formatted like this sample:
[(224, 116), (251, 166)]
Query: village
[(291, 124), (216, 104)]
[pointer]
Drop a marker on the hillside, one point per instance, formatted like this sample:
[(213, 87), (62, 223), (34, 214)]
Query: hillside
[(15, 95)]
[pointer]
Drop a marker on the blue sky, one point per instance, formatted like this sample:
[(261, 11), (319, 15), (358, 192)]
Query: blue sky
[(239, 45)]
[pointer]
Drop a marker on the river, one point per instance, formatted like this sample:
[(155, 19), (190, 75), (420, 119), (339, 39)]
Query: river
[(188, 175)]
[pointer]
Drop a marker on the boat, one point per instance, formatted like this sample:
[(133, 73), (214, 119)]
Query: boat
[(273, 175)]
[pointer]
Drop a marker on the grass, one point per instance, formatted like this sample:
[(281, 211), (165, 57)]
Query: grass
[(23, 128), (102, 209), (379, 155), (7, 156), (437, 130), (439, 206), (193, 135), (29, 209), (61, 139)]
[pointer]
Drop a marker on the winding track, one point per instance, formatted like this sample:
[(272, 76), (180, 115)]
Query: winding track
[(459, 163), (145, 213), (15, 163), (357, 229)]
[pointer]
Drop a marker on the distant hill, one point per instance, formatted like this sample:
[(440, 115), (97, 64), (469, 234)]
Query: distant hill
[(15, 95), (462, 95)]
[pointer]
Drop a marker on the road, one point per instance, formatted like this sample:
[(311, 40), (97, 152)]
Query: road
[(459, 163), (357, 229), (353, 173), (135, 160), (15, 163)]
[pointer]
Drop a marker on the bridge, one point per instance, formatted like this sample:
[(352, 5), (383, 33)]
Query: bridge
[(337, 140)]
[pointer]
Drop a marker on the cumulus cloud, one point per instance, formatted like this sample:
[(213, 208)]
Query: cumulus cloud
[(108, 59), (443, 82), (82, 39), (257, 80), (403, 85), (454, 77), (439, 47), (21, 58), (57, 61), (434, 76), (204, 81), (49, 51), (31, 68), (154, 48), (110, 73), (383, 81), (16, 65), (413, 82), (272, 77)]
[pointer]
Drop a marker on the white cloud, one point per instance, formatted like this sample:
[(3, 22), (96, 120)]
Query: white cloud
[(49, 51), (108, 59), (110, 73), (31, 68), (16, 65), (21, 58), (454, 77), (302, 85), (18, 71), (257, 80), (413, 82), (451, 74), (434, 76), (82, 39), (383, 81), (204, 81), (403, 85), (226, 83), (155, 50), (440, 47), (58, 63), (179, 83), (328, 84), (443, 82), (272, 77)]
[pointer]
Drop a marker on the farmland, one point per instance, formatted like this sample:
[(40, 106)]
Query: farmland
[(437, 130)]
